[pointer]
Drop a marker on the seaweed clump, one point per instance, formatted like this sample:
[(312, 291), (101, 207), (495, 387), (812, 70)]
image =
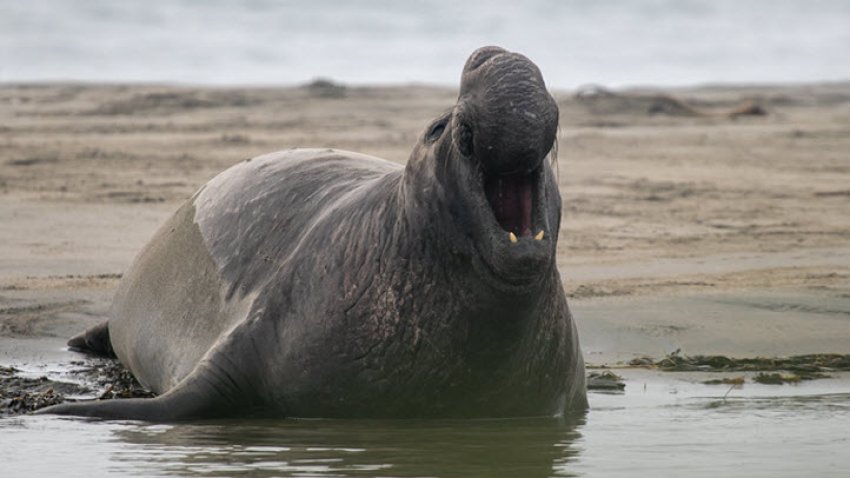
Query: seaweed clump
[(115, 380), (20, 394), (102, 379), (799, 367)]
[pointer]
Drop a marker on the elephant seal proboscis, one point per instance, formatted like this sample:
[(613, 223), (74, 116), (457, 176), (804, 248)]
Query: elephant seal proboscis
[(324, 283)]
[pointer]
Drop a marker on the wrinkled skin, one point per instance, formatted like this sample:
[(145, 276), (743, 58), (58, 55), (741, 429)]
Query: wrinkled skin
[(322, 283)]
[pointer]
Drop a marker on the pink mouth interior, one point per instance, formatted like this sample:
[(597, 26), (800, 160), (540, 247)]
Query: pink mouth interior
[(510, 197)]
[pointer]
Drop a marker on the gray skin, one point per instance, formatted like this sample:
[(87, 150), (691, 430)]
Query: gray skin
[(323, 283)]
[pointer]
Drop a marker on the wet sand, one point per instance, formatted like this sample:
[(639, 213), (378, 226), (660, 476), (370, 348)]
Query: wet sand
[(683, 228)]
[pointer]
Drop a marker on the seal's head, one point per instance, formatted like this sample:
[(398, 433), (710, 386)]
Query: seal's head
[(489, 155)]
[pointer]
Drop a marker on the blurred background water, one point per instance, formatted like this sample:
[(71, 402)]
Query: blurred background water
[(611, 42)]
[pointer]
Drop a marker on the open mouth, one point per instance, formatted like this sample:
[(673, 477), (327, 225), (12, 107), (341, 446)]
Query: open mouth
[(512, 197)]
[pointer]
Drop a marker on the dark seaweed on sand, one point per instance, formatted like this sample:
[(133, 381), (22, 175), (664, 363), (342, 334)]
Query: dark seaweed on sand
[(103, 379), (801, 367), (812, 363)]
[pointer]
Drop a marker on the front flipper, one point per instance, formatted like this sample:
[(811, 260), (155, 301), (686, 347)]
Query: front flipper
[(206, 393)]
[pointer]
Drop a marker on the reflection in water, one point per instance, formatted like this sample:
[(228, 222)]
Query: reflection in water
[(492, 448), (660, 425)]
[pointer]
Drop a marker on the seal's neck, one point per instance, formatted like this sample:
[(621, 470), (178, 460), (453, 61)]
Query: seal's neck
[(434, 225), (441, 284), (429, 207)]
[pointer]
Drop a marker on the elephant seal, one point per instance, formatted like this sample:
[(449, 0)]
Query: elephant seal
[(324, 283)]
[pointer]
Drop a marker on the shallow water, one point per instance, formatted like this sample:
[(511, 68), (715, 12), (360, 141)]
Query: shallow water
[(664, 425)]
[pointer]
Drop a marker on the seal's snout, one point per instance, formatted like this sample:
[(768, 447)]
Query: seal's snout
[(507, 119), (506, 122)]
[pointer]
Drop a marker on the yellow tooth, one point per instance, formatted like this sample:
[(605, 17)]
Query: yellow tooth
[(539, 235), (512, 237)]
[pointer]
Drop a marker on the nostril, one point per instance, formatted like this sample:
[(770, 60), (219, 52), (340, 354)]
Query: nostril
[(478, 61), (481, 56)]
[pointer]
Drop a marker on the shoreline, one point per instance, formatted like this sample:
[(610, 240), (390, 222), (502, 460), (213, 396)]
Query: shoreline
[(697, 231), (687, 88)]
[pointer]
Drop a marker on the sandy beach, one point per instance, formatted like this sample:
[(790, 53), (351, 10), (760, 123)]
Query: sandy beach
[(684, 227)]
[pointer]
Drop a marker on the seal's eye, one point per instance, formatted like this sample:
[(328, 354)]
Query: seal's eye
[(437, 130)]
